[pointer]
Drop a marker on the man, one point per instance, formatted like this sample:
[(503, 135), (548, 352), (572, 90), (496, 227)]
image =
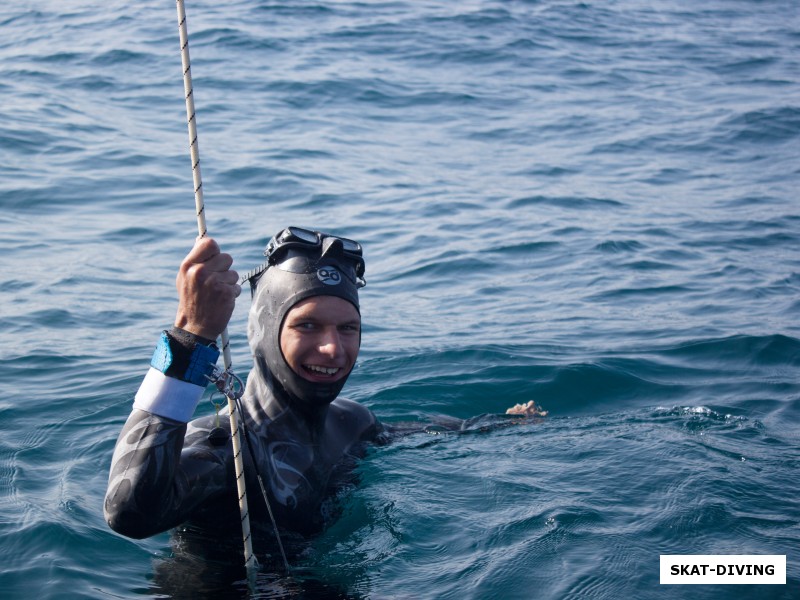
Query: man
[(305, 333)]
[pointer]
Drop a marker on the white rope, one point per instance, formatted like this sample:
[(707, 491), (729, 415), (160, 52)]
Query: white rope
[(236, 438)]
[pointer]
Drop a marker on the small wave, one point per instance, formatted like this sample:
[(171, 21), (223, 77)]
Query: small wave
[(237, 39), (655, 291), (576, 203), (651, 265), (15, 285), (615, 246), (770, 126), (764, 350), (701, 417)]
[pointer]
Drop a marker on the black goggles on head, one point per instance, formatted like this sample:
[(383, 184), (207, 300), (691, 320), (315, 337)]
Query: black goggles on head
[(299, 250)]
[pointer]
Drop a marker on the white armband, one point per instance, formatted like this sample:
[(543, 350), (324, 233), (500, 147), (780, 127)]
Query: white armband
[(168, 397)]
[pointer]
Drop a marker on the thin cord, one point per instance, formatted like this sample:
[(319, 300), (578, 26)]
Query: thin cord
[(263, 489), (249, 557)]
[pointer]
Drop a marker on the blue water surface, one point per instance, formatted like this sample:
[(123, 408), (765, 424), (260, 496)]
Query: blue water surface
[(592, 205)]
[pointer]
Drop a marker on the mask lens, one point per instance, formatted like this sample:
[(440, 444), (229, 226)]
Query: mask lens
[(303, 235), (350, 245)]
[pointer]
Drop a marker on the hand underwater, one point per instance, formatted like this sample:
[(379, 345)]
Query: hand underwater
[(528, 409), (207, 290)]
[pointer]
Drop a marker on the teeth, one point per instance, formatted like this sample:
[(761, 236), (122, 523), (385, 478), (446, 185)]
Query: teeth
[(325, 370)]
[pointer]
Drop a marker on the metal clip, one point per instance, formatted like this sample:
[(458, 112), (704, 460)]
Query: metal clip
[(227, 382)]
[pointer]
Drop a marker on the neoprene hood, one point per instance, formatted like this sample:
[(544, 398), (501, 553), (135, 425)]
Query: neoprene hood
[(299, 272)]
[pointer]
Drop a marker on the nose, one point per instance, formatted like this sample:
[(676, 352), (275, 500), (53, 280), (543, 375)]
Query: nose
[(330, 342)]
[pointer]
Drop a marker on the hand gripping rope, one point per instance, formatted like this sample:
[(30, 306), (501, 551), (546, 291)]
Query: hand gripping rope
[(227, 383)]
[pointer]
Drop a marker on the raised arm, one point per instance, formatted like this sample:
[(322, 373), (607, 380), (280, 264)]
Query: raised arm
[(157, 480)]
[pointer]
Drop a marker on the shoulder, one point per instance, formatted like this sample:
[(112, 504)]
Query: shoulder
[(345, 408), (354, 417)]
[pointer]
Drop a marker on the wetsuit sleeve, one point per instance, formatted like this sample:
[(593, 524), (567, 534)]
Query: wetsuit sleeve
[(155, 482)]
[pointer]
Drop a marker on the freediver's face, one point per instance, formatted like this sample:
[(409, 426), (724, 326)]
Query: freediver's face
[(320, 338)]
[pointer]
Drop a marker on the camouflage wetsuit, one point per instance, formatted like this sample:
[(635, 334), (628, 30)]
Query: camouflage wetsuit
[(165, 472)]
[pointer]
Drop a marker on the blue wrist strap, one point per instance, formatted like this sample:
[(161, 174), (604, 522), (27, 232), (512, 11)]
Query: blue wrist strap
[(200, 363), (162, 356)]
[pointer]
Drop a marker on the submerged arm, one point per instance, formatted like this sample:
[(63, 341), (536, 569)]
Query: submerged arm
[(516, 415)]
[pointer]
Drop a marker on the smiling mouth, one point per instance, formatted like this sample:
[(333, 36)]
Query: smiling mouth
[(320, 371)]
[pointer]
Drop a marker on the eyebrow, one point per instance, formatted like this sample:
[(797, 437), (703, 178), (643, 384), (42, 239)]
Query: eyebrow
[(302, 316)]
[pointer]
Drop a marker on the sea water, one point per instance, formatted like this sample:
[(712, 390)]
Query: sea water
[(592, 205)]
